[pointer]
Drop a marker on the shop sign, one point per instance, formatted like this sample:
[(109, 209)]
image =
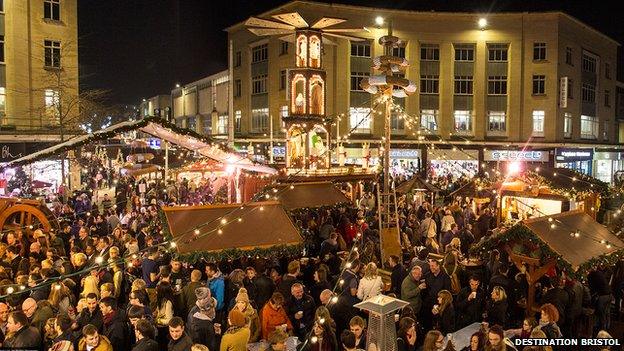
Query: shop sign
[(512, 155), (563, 92), (154, 143), (574, 155), (405, 153), (13, 151), (279, 151)]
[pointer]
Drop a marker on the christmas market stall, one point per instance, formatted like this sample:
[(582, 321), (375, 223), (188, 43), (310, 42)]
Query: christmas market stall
[(231, 231), (570, 242), (419, 189), (307, 195)]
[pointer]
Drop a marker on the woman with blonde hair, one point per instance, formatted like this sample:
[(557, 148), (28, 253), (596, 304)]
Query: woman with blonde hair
[(434, 341), (497, 307), (444, 313), (60, 298), (371, 284)]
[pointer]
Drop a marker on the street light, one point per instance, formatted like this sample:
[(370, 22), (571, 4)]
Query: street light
[(379, 20), (482, 23), (177, 85)]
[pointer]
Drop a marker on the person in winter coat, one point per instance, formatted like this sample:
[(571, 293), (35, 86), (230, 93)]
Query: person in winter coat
[(470, 303), (114, 325), (406, 336), (188, 292), (397, 276), (549, 316), (237, 335), (497, 307), (144, 332), (412, 287), (178, 339), (92, 340), (300, 308), (274, 316), (20, 335), (325, 338), (371, 284), (444, 312), (216, 284), (200, 319), (244, 306)]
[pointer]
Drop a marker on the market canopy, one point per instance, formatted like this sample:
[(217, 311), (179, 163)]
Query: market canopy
[(565, 178), (261, 225), (416, 184), (306, 195), (158, 128)]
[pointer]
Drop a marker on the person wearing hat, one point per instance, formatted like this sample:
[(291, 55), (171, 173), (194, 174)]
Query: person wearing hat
[(237, 335), (200, 319), (243, 305)]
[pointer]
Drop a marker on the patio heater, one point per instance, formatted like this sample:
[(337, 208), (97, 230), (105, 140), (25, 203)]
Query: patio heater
[(381, 334)]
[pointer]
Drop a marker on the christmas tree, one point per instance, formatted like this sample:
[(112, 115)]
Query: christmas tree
[(21, 180)]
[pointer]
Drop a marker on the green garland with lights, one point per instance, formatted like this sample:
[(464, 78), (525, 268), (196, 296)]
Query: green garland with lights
[(523, 241), (103, 135)]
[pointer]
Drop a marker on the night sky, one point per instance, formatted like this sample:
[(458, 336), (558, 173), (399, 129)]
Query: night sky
[(141, 48)]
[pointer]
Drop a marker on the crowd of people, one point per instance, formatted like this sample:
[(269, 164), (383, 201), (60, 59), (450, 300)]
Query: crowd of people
[(107, 279)]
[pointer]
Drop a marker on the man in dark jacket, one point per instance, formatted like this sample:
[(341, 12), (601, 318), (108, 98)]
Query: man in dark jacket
[(557, 296), (398, 274), (290, 278), (200, 319), (90, 315), (179, 340), (601, 297), (436, 281), (188, 292), (265, 288), (470, 303), (300, 308), (22, 335), (63, 330), (114, 325), (144, 332)]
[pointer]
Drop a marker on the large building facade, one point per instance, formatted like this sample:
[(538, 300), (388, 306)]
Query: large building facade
[(38, 64), (546, 78)]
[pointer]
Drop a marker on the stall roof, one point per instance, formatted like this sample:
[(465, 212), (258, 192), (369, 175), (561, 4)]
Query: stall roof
[(416, 184), (578, 250), (156, 127), (262, 225), (312, 194), (564, 178)]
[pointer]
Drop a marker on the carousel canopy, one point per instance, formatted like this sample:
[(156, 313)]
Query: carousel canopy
[(156, 127), (574, 250), (262, 225), (302, 195), (416, 184)]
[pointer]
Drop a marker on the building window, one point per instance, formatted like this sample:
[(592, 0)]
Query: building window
[(539, 51), (497, 85), (399, 52), (284, 111), (607, 98), (588, 93), (238, 118), (52, 9), (428, 120), (397, 122), (238, 58), (360, 49), (605, 130), (259, 84), (2, 101), (260, 120), (497, 121), (567, 125), (52, 53), (538, 122), (607, 70), (1, 5), (238, 88), (589, 127), (1, 48), (429, 52), (569, 56), (283, 48), (359, 119), (260, 53), (51, 102), (570, 89), (463, 85), (463, 121), (282, 84), (539, 85), (589, 62), (222, 125), (464, 52), (356, 79), (497, 52), (429, 84)]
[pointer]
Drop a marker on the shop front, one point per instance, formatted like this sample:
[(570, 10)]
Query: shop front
[(405, 161), (516, 160), (607, 164), (454, 162), (579, 160)]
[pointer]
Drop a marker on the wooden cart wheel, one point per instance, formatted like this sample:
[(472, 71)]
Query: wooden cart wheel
[(21, 216)]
